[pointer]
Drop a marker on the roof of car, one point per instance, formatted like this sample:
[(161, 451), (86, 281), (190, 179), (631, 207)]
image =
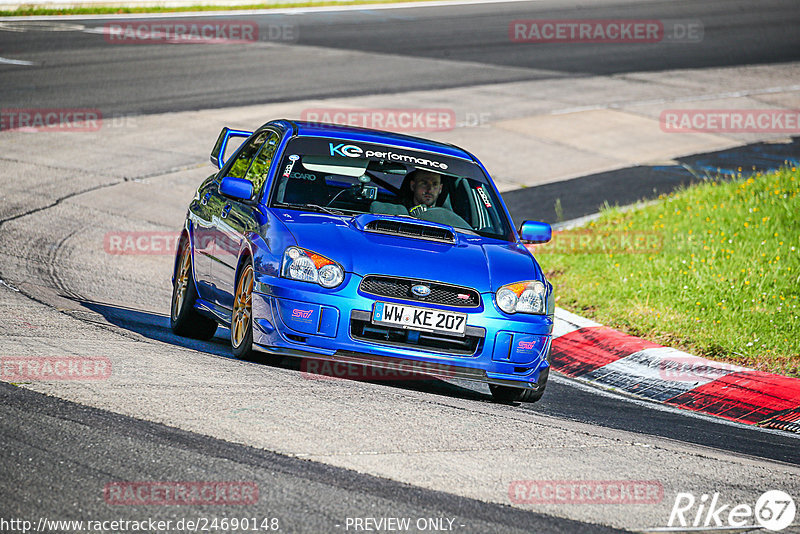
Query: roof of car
[(351, 133)]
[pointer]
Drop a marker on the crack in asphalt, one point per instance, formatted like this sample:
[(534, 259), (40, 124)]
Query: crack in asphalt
[(92, 189), (54, 251)]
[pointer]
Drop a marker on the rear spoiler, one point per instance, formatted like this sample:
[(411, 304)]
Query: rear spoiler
[(218, 152)]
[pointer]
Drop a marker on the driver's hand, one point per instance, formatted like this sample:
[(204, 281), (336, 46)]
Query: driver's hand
[(416, 211)]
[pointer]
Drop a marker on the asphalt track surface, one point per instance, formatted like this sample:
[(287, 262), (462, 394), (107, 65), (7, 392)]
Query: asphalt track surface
[(52, 458), (565, 398), (366, 52), (51, 443)]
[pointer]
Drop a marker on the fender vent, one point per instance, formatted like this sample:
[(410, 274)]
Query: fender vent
[(419, 231)]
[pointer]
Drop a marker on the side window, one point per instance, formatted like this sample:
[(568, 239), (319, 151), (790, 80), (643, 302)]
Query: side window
[(259, 169), (239, 167)]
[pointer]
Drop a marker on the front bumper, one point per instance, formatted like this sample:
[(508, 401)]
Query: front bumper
[(302, 319)]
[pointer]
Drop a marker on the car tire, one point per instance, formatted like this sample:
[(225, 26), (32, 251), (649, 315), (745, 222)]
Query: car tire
[(242, 316), (508, 394), (183, 318)]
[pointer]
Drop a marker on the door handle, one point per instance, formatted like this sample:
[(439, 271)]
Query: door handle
[(226, 210), (205, 198)]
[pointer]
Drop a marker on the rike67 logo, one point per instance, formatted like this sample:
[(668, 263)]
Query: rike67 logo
[(774, 510)]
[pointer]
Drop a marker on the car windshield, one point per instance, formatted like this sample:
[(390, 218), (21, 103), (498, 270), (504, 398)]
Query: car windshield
[(350, 178)]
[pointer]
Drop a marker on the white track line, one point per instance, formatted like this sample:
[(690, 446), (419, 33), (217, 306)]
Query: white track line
[(6, 61)]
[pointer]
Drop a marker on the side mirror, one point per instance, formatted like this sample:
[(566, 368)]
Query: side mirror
[(218, 152), (236, 188), (535, 232)]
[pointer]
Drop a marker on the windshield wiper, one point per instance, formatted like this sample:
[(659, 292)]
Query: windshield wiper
[(326, 209), (312, 207)]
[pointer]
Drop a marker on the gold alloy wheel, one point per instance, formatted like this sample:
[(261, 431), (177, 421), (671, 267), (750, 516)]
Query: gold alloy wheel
[(242, 307), (181, 282)]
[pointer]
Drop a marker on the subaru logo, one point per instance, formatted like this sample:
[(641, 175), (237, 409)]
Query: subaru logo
[(421, 291)]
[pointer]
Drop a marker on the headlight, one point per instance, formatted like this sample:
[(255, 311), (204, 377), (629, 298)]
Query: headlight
[(307, 266), (523, 297)]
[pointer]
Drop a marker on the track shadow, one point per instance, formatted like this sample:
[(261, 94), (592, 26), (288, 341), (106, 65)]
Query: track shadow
[(156, 326), (586, 195)]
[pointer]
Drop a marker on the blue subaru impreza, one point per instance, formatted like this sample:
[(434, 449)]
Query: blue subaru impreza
[(366, 247)]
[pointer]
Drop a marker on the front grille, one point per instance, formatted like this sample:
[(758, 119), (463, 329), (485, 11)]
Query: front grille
[(361, 328), (421, 231), (400, 288)]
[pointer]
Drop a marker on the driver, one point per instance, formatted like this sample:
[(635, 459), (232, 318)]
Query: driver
[(426, 186)]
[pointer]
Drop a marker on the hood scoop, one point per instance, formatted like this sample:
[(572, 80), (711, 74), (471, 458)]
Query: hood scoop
[(409, 229)]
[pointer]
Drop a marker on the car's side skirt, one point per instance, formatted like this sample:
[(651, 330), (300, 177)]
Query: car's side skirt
[(213, 311)]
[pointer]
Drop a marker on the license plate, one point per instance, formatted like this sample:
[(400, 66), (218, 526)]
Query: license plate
[(416, 318)]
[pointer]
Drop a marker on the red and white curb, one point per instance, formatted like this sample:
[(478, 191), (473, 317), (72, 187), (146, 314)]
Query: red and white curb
[(593, 353)]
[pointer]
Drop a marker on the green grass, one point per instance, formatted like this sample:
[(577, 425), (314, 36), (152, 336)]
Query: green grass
[(722, 280), (25, 11)]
